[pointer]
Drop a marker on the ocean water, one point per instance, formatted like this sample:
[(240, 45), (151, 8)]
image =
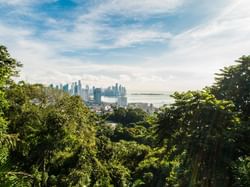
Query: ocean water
[(158, 99)]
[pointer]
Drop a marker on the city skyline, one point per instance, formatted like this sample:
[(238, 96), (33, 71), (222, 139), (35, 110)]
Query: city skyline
[(117, 87), (147, 45), (93, 96)]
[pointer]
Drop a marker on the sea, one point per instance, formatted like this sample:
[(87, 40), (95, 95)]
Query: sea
[(158, 99)]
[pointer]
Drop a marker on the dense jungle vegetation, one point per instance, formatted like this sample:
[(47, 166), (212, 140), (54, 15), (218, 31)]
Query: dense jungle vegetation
[(48, 138)]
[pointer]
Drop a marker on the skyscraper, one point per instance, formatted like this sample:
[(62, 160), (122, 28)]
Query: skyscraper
[(66, 88), (116, 89), (98, 95), (75, 89), (122, 101), (85, 95), (72, 89), (79, 88)]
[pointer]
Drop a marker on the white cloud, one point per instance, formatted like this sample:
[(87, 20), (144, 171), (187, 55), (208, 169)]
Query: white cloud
[(129, 38), (189, 63), (89, 31), (93, 36), (23, 2), (84, 35), (15, 2), (129, 8), (142, 7), (202, 51)]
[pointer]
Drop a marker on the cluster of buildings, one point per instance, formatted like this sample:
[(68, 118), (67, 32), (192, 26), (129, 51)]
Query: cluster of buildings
[(92, 96), (115, 91)]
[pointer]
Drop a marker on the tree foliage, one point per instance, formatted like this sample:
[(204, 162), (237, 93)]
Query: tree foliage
[(200, 128), (233, 83), (8, 68), (127, 116), (48, 138)]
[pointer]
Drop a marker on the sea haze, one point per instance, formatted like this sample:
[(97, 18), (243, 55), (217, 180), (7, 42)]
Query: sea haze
[(158, 99)]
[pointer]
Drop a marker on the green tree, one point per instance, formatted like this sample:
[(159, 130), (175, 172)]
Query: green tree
[(54, 129), (8, 69), (127, 116), (200, 130), (233, 83)]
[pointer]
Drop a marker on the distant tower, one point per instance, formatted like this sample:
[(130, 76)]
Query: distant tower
[(66, 88), (98, 96), (85, 95), (120, 90), (72, 89), (122, 101), (79, 88), (116, 89), (75, 89)]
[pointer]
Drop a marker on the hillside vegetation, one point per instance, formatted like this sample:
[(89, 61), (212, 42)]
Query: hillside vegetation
[(48, 138)]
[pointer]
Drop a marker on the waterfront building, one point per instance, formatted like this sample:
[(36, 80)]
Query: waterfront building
[(122, 101), (85, 95), (79, 88), (66, 88), (98, 95)]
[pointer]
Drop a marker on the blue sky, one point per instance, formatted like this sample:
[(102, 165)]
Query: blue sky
[(143, 44)]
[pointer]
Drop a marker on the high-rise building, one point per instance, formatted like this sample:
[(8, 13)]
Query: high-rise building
[(85, 95), (72, 89), (122, 101), (120, 89), (79, 88), (75, 89), (98, 95), (116, 89), (66, 88)]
